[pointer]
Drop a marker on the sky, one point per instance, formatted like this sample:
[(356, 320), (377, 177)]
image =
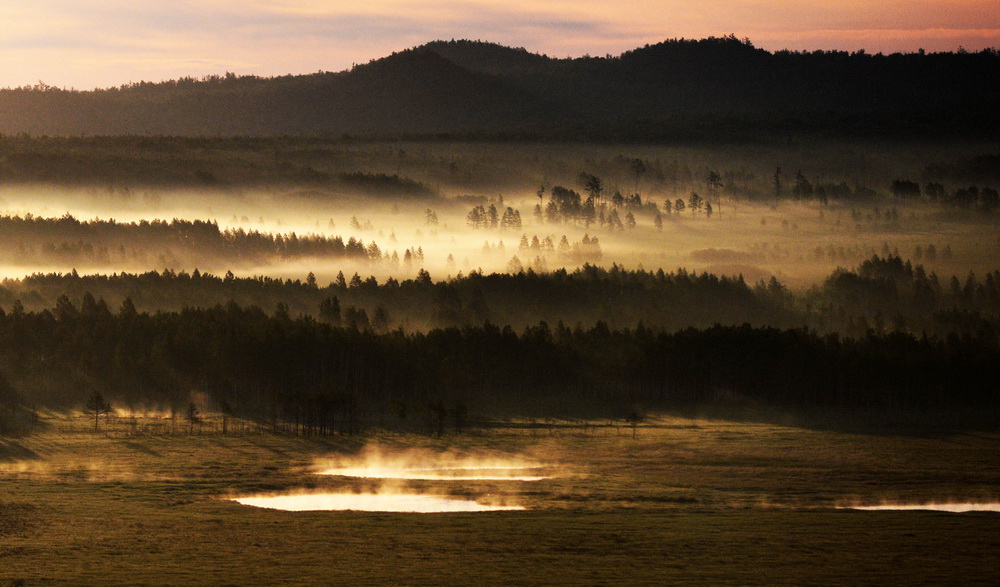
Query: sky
[(85, 44)]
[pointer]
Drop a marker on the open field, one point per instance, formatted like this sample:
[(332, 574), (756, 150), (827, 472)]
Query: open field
[(684, 501)]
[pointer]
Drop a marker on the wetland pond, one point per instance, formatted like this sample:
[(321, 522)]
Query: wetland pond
[(370, 502), (401, 467), (446, 473)]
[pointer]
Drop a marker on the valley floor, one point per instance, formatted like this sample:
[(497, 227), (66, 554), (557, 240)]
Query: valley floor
[(683, 501)]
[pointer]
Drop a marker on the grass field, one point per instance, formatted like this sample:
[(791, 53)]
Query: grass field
[(685, 501)]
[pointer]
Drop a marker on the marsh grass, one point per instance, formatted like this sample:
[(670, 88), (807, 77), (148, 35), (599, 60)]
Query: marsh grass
[(686, 501)]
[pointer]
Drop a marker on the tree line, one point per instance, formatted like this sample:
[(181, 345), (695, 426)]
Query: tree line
[(616, 295), (883, 294), (889, 294), (29, 239), (307, 376)]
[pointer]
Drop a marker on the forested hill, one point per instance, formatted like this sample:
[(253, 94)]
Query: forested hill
[(674, 89)]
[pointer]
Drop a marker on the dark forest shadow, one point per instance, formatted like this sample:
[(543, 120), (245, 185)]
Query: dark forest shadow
[(14, 451), (139, 447)]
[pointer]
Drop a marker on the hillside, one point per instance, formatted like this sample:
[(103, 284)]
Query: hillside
[(674, 89)]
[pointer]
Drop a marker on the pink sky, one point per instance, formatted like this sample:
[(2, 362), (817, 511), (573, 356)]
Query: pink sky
[(100, 43)]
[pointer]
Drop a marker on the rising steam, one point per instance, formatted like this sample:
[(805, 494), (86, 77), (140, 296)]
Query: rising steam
[(375, 463), (393, 469), (371, 502)]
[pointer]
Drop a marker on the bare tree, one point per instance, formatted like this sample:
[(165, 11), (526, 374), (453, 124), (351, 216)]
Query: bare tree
[(633, 419)]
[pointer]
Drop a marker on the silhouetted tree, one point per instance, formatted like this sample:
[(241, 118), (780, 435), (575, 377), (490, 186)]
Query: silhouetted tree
[(695, 203), (329, 310), (638, 167), (97, 407), (193, 417), (227, 412)]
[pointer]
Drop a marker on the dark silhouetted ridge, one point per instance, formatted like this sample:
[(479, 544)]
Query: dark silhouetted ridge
[(488, 57), (674, 89)]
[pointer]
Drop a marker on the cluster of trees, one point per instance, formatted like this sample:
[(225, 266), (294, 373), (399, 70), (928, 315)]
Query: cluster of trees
[(30, 239), (567, 206), (888, 294), (586, 250), (696, 204), (618, 212), (707, 187), (312, 377), (481, 217), (383, 184), (851, 254), (984, 199)]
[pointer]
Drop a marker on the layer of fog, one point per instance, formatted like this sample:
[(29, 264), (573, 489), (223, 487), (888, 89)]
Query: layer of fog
[(799, 243), (750, 232)]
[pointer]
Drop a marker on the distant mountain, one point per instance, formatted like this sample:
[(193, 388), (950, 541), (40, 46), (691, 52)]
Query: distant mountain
[(675, 89)]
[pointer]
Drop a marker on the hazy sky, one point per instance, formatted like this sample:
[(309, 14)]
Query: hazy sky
[(99, 43)]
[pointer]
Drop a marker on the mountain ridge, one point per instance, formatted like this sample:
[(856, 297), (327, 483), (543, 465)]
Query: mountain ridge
[(675, 88)]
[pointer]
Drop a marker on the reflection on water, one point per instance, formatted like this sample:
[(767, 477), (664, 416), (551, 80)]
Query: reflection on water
[(424, 504), (937, 507), (462, 473)]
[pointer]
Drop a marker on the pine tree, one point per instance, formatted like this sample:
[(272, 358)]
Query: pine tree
[(97, 406)]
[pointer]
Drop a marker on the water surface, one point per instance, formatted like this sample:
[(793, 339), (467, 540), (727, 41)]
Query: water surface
[(367, 502), (440, 473)]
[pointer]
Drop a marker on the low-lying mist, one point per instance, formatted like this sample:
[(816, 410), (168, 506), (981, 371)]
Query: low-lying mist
[(376, 462), (286, 236), (391, 474), (569, 252)]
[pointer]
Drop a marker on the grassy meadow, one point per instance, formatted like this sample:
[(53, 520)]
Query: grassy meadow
[(677, 500)]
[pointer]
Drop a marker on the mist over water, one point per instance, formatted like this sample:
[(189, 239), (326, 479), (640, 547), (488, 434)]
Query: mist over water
[(371, 502), (393, 471), (438, 473), (375, 462)]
